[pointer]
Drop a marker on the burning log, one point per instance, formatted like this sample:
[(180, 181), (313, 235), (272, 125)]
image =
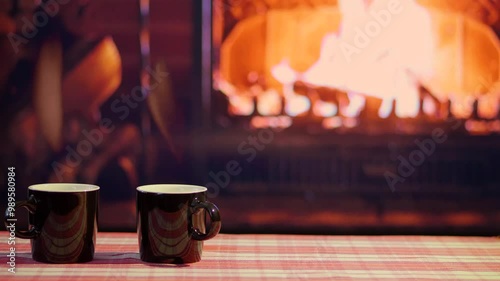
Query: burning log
[(370, 111), (475, 110), (324, 93), (392, 114), (437, 104)]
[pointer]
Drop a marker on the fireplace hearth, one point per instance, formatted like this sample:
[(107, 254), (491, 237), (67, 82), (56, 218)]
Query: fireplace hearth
[(339, 177), (418, 158)]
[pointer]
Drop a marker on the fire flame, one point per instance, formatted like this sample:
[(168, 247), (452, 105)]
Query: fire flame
[(382, 54), (390, 67), (324, 109)]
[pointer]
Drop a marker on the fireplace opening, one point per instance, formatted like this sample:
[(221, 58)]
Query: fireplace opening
[(377, 67), (384, 115)]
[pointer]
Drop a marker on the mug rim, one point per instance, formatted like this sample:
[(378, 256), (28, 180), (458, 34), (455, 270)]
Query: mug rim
[(169, 188), (64, 187)]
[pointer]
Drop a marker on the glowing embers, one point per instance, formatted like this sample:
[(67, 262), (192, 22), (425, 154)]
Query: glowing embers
[(269, 103), (482, 127), (297, 105), (241, 105), (325, 109), (282, 122), (338, 122), (488, 107), (301, 104)]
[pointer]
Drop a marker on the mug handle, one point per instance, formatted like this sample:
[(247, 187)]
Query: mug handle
[(29, 204), (215, 225)]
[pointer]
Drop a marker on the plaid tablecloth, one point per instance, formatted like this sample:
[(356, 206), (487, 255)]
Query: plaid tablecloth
[(280, 257)]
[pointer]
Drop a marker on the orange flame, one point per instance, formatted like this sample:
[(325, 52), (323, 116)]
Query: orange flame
[(380, 53), (241, 105), (297, 105), (324, 109), (389, 67), (269, 103)]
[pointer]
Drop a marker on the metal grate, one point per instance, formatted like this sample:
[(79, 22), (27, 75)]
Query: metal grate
[(330, 170)]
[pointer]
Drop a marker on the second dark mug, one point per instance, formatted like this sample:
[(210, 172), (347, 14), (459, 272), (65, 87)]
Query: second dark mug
[(171, 222), (62, 219)]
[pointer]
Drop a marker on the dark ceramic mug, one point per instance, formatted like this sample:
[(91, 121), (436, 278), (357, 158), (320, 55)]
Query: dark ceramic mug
[(171, 222), (62, 219)]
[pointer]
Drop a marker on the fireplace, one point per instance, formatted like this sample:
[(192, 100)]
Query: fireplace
[(335, 65), (361, 120)]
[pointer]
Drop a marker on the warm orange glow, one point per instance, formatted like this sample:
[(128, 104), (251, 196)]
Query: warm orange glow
[(84, 88), (488, 106), (260, 122), (385, 108), (381, 53), (482, 127), (462, 107), (240, 102), (284, 73), (356, 104), (297, 105), (388, 65), (241, 105), (269, 103), (332, 123), (495, 126), (324, 109), (429, 106), (350, 122)]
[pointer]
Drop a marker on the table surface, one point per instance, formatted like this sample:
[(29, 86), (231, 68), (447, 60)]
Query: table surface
[(279, 257)]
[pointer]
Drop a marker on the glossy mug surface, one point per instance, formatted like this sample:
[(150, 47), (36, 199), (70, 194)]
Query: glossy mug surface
[(171, 222), (62, 222)]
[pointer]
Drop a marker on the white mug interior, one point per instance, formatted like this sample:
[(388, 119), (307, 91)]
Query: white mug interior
[(63, 187), (171, 188)]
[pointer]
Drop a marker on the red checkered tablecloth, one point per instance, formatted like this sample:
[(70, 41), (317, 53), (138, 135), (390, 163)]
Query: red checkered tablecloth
[(279, 257)]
